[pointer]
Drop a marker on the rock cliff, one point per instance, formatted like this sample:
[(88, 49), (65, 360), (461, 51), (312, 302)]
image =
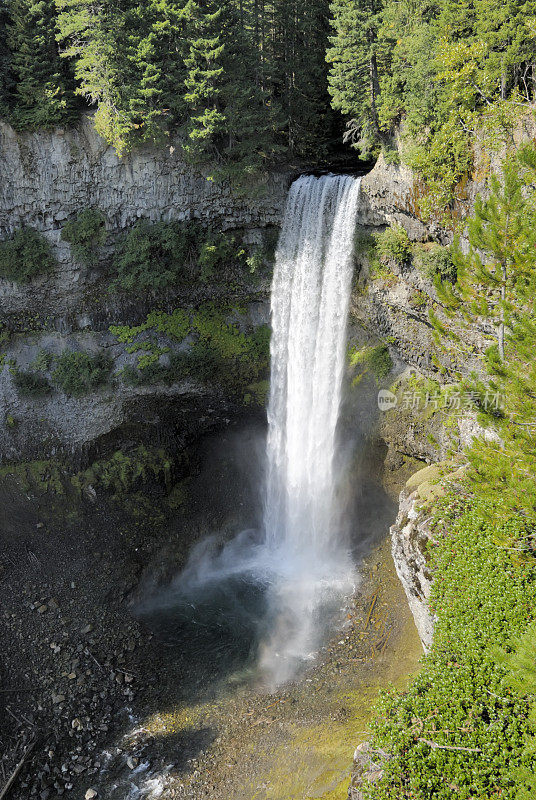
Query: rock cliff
[(47, 177)]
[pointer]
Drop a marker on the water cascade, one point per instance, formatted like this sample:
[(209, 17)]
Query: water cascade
[(303, 526), (310, 298)]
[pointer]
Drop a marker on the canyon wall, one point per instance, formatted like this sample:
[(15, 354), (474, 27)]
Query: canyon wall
[(47, 177)]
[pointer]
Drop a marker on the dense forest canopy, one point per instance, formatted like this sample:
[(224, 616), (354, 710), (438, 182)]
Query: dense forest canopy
[(247, 82), (243, 80)]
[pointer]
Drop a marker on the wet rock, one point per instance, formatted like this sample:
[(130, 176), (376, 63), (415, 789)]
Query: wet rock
[(410, 536)]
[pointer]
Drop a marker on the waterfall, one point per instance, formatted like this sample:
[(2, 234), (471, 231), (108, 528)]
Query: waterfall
[(304, 537), (310, 298)]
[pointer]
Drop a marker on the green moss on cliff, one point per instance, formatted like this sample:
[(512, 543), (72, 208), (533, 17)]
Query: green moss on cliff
[(215, 349)]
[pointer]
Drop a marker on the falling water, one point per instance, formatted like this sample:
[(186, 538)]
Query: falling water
[(302, 523), (310, 298)]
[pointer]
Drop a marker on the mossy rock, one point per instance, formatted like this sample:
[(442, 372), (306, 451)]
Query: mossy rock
[(430, 491), (428, 475), (426, 481)]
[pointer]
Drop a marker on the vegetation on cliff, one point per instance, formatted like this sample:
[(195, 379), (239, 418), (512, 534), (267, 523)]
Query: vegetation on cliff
[(466, 726), (25, 255), (447, 71), (245, 83)]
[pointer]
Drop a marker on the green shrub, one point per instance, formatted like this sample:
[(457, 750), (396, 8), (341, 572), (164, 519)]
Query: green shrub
[(380, 361), (419, 299), (24, 256), (30, 384), (364, 242), (436, 262), (77, 373), (218, 250), (85, 234), (256, 261), (381, 272), (123, 472), (155, 255), (375, 359), (482, 596), (393, 244), (43, 361), (520, 664)]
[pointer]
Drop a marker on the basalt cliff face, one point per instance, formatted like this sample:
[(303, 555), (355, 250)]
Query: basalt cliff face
[(46, 178)]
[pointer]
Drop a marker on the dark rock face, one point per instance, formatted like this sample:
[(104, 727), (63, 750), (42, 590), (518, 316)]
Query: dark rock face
[(46, 178)]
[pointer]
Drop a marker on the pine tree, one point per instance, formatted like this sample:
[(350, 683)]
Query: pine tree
[(407, 42), (204, 82), (158, 52), (90, 35), (354, 78), (229, 118), (496, 291), (6, 75), (500, 257), (42, 92)]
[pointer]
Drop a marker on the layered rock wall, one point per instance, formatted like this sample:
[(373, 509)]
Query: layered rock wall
[(47, 177)]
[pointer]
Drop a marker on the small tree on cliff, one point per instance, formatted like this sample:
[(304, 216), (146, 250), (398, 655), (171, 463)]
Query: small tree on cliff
[(496, 289), (493, 275)]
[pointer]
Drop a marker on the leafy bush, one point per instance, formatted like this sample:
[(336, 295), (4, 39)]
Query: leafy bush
[(154, 255), (520, 666), (381, 272), (380, 361), (419, 300), (24, 256), (77, 373), (218, 250), (375, 359), (30, 384), (436, 262), (256, 261), (393, 244), (123, 472), (85, 234), (43, 361)]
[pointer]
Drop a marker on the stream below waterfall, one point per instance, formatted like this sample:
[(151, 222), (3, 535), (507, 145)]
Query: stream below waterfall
[(207, 725)]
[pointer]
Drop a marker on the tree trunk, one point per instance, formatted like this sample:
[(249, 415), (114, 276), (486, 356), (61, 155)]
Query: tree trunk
[(374, 92), (502, 322)]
